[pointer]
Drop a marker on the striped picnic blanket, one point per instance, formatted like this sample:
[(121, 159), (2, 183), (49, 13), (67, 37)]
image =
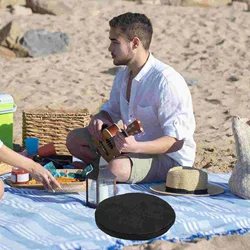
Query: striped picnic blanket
[(36, 219)]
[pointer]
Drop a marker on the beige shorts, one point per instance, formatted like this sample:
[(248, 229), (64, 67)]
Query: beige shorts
[(144, 167)]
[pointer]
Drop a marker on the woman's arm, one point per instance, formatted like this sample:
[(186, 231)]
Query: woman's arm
[(37, 171)]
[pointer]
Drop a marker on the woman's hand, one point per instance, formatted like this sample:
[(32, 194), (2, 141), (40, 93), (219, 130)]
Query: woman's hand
[(41, 174), (38, 172)]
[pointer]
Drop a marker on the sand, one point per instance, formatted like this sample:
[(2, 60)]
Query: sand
[(208, 45), (232, 242)]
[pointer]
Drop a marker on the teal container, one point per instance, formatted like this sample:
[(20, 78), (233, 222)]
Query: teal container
[(7, 108)]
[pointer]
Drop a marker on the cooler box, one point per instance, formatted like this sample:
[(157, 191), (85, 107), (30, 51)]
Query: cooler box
[(7, 107)]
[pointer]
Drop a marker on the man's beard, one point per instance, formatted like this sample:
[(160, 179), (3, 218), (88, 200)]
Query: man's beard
[(125, 60)]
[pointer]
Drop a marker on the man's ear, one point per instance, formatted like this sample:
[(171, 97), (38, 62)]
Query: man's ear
[(136, 42)]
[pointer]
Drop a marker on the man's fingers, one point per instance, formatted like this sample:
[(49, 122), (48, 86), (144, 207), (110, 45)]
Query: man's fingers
[(120, 136), (97, 130), (117, 143)]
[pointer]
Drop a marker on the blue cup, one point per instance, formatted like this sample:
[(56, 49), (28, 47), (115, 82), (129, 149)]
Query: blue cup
[(32, 145)]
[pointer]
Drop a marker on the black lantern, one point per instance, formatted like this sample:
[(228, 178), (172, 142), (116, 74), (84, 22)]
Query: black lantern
[(100, 185)]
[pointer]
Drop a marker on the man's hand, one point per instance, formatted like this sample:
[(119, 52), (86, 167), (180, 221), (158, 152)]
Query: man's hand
[(41, 174), (95, 126), (125, 144)]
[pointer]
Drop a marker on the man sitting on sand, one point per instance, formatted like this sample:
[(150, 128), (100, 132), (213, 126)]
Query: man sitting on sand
[(37, 171), (147, 90)]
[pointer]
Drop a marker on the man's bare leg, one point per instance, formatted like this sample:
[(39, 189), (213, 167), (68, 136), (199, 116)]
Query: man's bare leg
[(78, 146), (121, 168)]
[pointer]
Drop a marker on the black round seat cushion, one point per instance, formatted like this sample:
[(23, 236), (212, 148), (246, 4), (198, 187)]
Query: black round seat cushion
[(134, 216)]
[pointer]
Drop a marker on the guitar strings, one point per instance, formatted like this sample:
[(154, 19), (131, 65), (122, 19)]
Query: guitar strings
[(103, 148), (111, 142)]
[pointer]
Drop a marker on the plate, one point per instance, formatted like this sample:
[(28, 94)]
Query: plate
[(67, 187)]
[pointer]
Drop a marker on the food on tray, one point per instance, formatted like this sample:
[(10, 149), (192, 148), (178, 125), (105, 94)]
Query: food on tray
[(79, 174), (71, 180), (62, 179), (65, 176)]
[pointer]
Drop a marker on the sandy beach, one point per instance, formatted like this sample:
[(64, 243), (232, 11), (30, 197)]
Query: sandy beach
[(208, 46)]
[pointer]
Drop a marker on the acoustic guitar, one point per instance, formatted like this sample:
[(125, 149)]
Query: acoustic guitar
[(106, 148)]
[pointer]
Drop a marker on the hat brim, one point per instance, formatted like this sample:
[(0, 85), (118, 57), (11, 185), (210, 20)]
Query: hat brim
[(211, 190)]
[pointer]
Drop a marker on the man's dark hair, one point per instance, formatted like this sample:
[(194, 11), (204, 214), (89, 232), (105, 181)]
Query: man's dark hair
[(134, 25)]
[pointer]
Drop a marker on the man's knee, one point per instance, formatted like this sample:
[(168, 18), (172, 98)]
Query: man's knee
[(70, 140), (121, 168), (74, 138), (78, 143)]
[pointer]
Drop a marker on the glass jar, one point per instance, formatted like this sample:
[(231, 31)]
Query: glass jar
[(19, 176)]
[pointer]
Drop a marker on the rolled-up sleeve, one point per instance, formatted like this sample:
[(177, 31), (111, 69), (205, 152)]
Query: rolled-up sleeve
[(112, 106), (173, 110), (1, 143)]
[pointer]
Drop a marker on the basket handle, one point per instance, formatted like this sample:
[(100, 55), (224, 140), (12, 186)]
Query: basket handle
[(9, 110)]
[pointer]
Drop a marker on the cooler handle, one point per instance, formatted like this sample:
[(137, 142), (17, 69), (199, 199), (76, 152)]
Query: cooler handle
[(9, 110)]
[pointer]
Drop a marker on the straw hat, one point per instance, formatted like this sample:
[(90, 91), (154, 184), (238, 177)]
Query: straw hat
[(187, 181)]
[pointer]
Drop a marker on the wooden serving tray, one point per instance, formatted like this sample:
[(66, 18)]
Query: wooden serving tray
[(67, 187), (10, 183)]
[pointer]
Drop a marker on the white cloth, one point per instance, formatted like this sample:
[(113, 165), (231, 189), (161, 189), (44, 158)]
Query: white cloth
[(1, 143), (161, 100)]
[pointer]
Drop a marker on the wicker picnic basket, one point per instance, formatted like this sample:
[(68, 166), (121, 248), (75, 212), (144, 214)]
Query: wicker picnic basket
[(53, 126)]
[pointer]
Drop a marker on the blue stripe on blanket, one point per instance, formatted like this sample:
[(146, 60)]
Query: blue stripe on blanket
[(36, 219)]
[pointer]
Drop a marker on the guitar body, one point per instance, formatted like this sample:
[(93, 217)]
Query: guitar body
[(106, 148)]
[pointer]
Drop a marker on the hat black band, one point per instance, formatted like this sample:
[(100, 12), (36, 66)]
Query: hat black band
[(184, 191)]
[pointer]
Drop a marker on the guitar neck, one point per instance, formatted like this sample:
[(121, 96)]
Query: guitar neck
[(134, 128)]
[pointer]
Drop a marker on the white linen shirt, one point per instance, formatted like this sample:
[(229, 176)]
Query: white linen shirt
[(161, 100), (1, 143)]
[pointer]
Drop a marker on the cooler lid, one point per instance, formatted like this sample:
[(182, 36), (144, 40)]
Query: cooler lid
[(6, 98)]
